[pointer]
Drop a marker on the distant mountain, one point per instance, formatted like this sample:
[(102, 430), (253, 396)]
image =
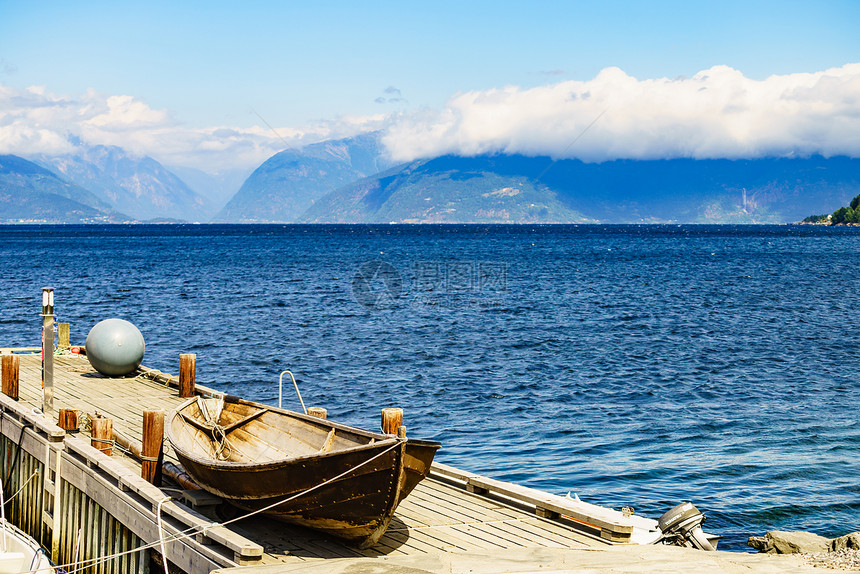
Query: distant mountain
[(218, 188), (518, 189), (351, 181), (289, 182), (31, 193), (138, 186), (437, 191)]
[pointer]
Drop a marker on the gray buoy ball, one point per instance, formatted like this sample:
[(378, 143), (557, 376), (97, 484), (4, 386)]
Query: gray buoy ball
[(115, 347)]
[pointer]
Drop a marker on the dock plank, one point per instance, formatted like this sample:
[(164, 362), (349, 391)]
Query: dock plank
[(456, 503), (437, 516)]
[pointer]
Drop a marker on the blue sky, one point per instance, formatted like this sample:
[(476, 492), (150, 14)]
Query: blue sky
[(206, 64)]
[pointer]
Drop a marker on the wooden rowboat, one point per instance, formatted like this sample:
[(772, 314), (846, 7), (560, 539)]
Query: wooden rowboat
[(331, 477)]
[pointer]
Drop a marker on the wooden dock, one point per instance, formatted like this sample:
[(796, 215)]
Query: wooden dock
[(79, 503)]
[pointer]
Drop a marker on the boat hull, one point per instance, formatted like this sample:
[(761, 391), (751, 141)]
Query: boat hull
[(349, 492)]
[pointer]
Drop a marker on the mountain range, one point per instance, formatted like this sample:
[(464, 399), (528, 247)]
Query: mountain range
[(289, 183), (137, 185), (519, 189), (31, 193), (353, 181)]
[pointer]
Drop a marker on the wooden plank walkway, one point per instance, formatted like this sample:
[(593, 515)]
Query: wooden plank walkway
[(439, 515)]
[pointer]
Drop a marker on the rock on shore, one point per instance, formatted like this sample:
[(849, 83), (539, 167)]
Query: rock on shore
[(841, 553), (783, 542)]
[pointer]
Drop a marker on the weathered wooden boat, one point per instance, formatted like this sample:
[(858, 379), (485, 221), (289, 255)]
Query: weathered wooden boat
[(331, 477)]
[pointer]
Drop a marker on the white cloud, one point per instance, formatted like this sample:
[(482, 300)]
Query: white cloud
[(124, 113), (718, 113), (34, 121)]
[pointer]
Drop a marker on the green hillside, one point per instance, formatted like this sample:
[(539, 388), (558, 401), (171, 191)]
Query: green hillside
[(519, 189), (410, 194)]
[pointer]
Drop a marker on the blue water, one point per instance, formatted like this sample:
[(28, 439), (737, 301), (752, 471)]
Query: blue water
[(632, 365)]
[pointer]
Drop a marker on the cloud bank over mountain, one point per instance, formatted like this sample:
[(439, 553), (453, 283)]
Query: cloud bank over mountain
[(34, 121), (717, 113)]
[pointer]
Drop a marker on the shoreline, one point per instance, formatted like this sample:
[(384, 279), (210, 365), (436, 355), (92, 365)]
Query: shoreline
[(616, 559)]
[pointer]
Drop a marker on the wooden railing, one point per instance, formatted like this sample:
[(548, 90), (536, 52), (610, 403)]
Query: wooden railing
[(79, 503), (610, 525)]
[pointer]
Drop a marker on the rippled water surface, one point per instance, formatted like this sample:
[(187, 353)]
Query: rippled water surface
[(632, 365)]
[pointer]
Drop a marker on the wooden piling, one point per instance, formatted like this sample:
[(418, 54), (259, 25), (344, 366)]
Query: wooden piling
[(63, 337), (67, 492), (318, 412), (391, 419), (102, 434), (68, 420), (187, 375), (152, 452), (11, 367)]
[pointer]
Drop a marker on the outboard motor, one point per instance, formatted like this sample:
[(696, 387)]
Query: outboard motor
[(682, 526)]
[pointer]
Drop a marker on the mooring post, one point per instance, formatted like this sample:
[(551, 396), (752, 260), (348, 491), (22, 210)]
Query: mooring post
[(151, 453), (318, 412), (47, 349), (187, 375), (68, 420), (63, 337), (11, 367), (102, 434), (391, 419)]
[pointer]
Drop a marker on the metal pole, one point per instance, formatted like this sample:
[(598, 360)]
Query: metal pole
[(47, 349), (281, 390)]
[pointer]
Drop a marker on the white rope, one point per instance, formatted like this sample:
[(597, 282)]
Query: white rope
[(17, 492), (77, 546), (219, 438), (3, 515), (192, 531), (225, 447), (161, 532), (313, 488)]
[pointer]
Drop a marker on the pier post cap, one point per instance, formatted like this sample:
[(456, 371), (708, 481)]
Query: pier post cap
[(47, 300)]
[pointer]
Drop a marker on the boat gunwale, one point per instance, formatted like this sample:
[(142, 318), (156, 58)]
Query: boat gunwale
[(384, 442)]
